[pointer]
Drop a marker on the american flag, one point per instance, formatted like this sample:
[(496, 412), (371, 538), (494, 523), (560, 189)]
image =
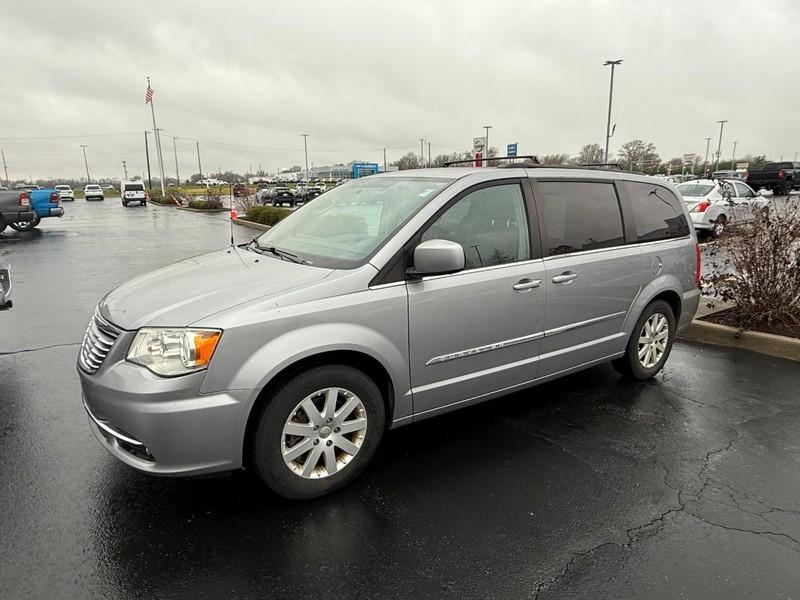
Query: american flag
[(148, 95)]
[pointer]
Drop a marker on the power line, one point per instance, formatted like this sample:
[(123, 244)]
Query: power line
[(67, 137)]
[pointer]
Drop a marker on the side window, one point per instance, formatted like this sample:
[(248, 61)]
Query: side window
[(742, 191), (658, 213), (489, 223), (580, 216)]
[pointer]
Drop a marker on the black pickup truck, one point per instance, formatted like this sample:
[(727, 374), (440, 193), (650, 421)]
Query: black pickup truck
[(15, 207), (780, 177)]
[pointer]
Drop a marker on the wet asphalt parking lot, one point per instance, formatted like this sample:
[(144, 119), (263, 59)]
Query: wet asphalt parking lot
[(687, 486)]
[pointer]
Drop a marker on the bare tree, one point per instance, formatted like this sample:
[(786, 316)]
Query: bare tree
[(637, 155), (554, 159), (408, 161), (590, 154)]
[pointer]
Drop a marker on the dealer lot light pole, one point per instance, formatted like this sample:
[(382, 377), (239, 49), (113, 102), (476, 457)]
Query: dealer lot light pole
[(613, 63), (86, 163), (719, 146), (305, 148)]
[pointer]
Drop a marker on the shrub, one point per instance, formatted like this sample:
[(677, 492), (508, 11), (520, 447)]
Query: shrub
[(757, 268), (266, 215)]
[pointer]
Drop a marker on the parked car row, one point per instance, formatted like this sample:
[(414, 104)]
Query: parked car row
[(280, 195)]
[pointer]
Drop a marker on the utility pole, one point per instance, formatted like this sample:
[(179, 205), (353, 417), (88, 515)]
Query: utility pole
[(384, 161), (147, 156), (305, 149), (125, 169), (86, 163), (719, 146), (8, 182), (429, 154), (175, 150), (421, 150), (613, 63), (199, 166), (733, 158), (486, 141), (705, 162)]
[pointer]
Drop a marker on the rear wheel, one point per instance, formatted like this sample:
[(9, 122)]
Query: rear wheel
[(719, 226), (2, 226), (124, 203), (650, 343), (26, 225), (787, 188), (318, 432)]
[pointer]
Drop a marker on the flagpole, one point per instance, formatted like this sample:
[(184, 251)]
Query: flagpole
[(158, 143)]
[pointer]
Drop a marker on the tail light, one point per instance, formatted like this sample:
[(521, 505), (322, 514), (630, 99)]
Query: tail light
[(24, 199), (54, 198), (781, 174), (697, 264), (702, 206)]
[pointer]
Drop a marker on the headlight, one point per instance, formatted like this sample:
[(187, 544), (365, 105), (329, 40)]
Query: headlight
[(172, 352)]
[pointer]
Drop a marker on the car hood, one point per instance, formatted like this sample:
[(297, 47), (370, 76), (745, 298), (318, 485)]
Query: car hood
[(185, 292)]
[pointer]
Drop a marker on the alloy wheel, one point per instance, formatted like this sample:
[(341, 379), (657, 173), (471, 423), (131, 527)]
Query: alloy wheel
[(653, 340), (324, 433)]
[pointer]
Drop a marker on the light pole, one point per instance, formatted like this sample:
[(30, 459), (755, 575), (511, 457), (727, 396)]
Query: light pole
[(733, 157), (486, 141), (305, 147), (719, 145), (613, 64), (421, 151), (86, 163), (705, 162), (125, 168), (175, 150)]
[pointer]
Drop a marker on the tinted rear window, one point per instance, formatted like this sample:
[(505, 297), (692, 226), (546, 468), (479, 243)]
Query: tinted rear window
[(777, 166), (134, 187), (658, 213), (580, 216)]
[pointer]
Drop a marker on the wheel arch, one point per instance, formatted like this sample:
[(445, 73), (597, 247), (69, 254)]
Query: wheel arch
[(665, 288), (369, 365)]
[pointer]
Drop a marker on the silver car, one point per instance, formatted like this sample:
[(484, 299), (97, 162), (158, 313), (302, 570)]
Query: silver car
[(386, 301)]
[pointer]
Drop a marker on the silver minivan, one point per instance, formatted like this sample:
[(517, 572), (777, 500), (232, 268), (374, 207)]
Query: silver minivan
[(385, 301)]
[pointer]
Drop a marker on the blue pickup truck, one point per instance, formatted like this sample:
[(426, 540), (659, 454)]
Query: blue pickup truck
[(44, 202)]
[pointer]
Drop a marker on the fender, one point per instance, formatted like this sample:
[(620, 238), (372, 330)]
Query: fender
[(663, 283)]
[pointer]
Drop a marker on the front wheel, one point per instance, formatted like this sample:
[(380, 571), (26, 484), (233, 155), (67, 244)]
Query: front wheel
[(27, 225), (650, 343), (318, 432)]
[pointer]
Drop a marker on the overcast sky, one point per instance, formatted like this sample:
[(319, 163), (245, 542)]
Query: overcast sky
[(247, 78)]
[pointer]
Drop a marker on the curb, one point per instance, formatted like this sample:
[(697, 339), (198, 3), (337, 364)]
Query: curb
[(763, 343), (251, 224), (204, 210)]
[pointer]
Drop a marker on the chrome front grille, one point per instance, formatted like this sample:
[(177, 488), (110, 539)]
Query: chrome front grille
[(100, 337)]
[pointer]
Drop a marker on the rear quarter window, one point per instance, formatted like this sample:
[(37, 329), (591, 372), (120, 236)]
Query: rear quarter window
[(657, 211)]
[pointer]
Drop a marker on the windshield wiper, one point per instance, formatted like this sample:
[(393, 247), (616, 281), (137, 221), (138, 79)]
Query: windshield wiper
[(278, 252)]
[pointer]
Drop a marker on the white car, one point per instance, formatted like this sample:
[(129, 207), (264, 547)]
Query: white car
[(93, 191), (714, 204), (65, 193)]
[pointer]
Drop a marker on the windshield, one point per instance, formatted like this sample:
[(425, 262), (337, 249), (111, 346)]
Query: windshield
[(695, 189), (343, 227)]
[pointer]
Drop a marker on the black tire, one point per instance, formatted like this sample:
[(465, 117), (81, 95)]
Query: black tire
[(2, 226), (27, 225), (629, 365), (718, 228), (787, 188), (144, 202), (124, 203), (266, 456)]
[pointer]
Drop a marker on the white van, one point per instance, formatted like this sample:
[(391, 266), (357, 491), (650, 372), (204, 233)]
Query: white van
[(132, 191)]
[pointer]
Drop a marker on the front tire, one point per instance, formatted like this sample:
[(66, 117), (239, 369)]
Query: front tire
[(318, 432), (650, 343)]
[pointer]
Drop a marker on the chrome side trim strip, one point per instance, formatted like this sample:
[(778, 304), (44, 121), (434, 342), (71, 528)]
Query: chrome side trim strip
[(486, 348), (571, 326), (110, 430)]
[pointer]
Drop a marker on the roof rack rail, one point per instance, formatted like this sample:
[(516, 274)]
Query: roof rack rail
[(529, 162)]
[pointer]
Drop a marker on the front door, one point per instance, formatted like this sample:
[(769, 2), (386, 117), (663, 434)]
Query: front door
[(592, 276), (478, 331)]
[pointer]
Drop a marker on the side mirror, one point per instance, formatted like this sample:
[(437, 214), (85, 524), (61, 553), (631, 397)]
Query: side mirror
[(437, 257)]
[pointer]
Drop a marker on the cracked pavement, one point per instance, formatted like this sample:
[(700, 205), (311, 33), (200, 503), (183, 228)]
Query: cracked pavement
[(687, 486)]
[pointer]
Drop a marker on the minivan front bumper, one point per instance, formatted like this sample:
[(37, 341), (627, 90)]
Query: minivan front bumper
[(164, 426)]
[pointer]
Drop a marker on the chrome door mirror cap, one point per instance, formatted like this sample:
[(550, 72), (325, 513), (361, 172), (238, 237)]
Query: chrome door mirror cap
[(437, 257)]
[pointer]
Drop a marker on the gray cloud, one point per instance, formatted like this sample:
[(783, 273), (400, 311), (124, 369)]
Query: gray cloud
[(362, 76)]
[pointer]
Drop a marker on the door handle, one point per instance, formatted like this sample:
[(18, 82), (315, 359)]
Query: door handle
[(526, 284), (565, 277)]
